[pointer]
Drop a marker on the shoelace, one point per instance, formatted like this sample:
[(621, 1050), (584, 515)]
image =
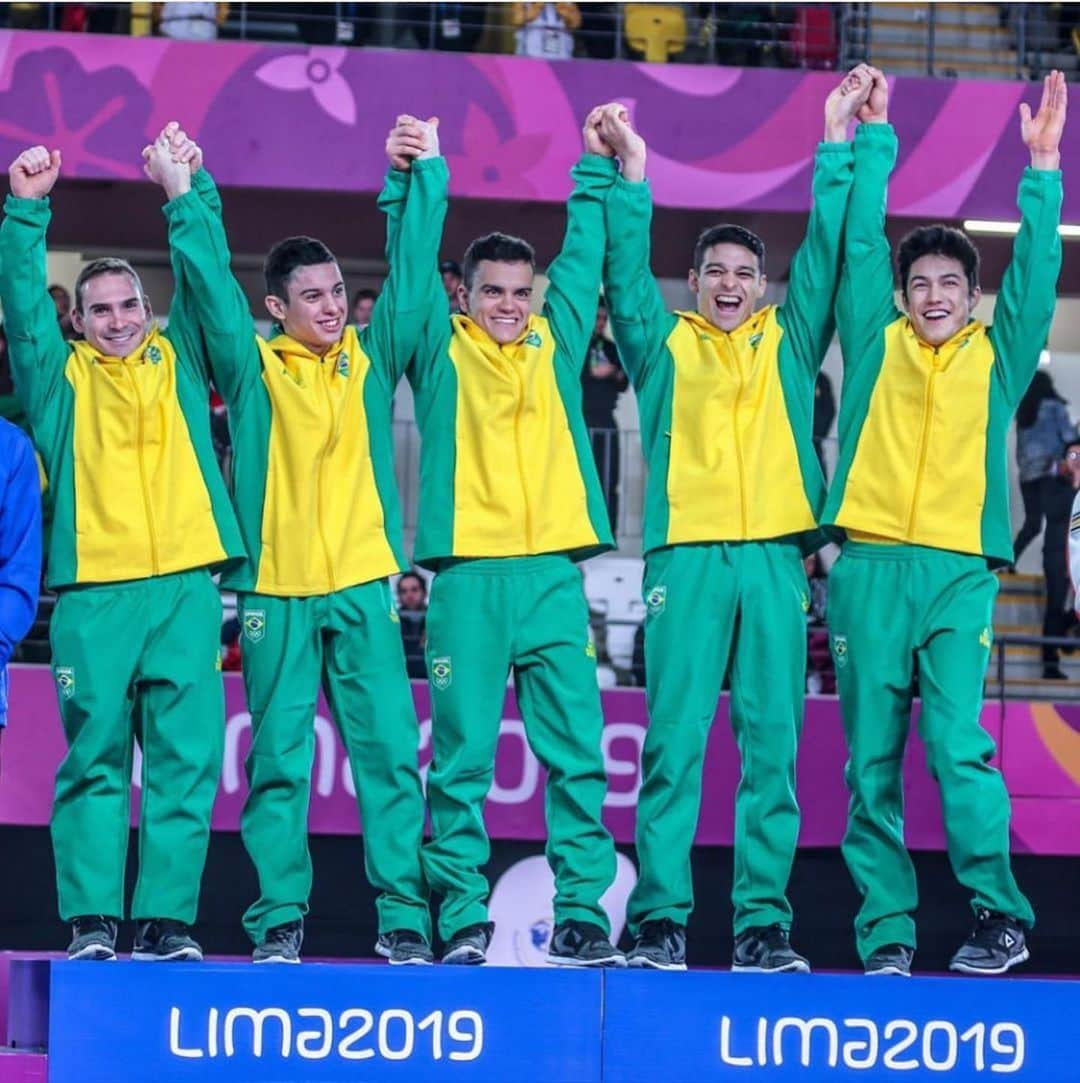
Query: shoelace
[(989, 930)]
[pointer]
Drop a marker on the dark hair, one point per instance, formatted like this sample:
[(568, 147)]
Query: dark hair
[(728, 233), (110, 265), (364, 295), (1040, 389), (499, 248), (283, 259), (413, 575), (938, 240), (56, 288)]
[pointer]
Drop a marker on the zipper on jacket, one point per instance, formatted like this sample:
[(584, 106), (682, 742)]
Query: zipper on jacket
[(520, 458), (320, 469), (140, 455), (924, 446), (735, 436)]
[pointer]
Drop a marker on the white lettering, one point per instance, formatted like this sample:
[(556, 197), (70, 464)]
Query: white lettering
[(258, 1019), (977, 1034), (939, 1026), (1014, 1047), (615, 767), (434, 1021), (891, 1054), (530, 768), (325, 1037), (805, 1028), (212, 1032), (175, 1048), (325, 757), (406, 1019), (230, 768), (868, 1046), (474, 1034), (726, 1056), (345, 1046)]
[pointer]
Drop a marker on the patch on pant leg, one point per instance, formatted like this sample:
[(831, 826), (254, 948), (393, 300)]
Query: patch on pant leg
[(839, 650), (65, 681), (254, 624), (656, 600), (986, 638), (442, 672)]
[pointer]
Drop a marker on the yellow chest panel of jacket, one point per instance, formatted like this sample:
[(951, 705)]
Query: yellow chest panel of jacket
[(141, 505), (919, 471), (323, 524), (518, 487), (733, 467)]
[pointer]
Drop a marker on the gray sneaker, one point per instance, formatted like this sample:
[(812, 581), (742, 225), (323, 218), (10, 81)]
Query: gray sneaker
[(582, 943), (765, 949), (468, 946), (93, 937), (996, 944), (894, 959), (404, 947), (281, 944), (162, 940), (660, 945)]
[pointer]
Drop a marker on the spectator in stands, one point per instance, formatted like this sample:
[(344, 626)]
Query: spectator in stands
[(820, 673), (231, 654), (637, 657), (603, 381), (449, 27), (928, 394), (1043, 428), (507, 503), (362, 303), (450, 271), (136, 625), (313, 596), (186, 20), (20, 547), (824, 415), (598, 30), (1059, 618), (412, 612), (732, 482), (545, 30), (62, 300)]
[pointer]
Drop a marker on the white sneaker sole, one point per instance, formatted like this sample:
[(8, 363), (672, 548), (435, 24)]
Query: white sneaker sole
[(609, 961), (184, 955), (1016, 960), (277, 959), (385, 954), (639, 962), (95, 953), (465, 957), (887, 972), (796, 967)]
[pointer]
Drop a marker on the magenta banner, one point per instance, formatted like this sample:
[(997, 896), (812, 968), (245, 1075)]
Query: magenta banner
[(718, 137), (1039, 743)]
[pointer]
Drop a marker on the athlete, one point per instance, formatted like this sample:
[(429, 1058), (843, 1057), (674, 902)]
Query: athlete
[(726, 397), (921, 494), (140, 518), (509, 499), (309, 414)]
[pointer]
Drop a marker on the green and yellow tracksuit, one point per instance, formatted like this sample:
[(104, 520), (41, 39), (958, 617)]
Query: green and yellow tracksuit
[(921, 493), (734, 491), (140, 516), (509, 498), (315, 495)]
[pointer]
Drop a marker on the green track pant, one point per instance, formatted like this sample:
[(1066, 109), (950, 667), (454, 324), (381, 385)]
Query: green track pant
[(709, 607), (137, 659), (893, 611), (350, 641), (487, 616)]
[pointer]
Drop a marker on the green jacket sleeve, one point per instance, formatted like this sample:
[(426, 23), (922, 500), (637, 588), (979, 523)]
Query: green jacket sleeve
[(574, 275), (866, 301), (210, 292), (36, 348), (415, 212), (640, 321), (1025, 303), (807, 314)]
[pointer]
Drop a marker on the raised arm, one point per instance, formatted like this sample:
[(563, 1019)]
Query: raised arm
[(866, 300), (415, 214), (1025, 304), (807, 314), (207, 290), (640, 321), (574, 275), (36, 347), (20, 544)]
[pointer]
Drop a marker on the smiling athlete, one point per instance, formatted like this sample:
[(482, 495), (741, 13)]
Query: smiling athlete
[(726, 398), (921, 492), (140, 513), (309, 415)]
